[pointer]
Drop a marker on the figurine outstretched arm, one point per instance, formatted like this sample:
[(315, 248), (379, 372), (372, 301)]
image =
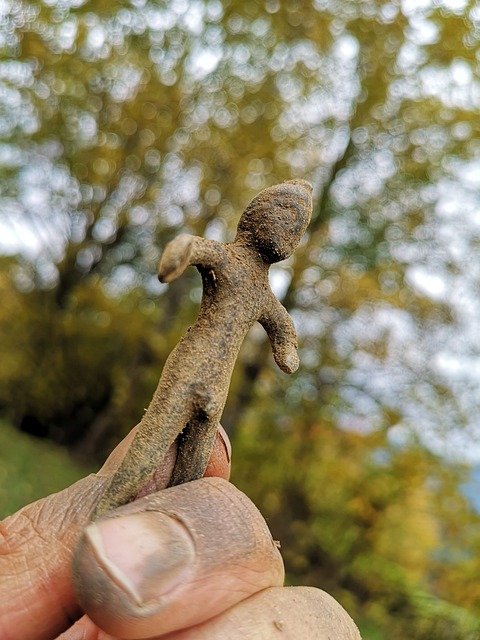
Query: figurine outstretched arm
[(280, 329), (186, 250)]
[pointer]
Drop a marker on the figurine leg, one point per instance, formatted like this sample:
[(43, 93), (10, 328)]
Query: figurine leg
[(195, 443), (194, 449), (145, 455)]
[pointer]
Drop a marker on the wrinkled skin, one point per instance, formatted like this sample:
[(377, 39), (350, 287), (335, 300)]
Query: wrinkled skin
[(192, 562)]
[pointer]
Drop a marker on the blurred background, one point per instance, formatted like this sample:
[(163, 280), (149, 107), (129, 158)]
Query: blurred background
[(124, 123)]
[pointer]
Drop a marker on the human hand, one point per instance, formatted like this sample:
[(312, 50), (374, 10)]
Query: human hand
[(198, 555)]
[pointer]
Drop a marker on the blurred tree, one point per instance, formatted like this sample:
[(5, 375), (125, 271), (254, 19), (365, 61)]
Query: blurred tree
[(124, 123)]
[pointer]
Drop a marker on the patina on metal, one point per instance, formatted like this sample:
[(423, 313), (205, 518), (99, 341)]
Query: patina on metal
[(192, 391)]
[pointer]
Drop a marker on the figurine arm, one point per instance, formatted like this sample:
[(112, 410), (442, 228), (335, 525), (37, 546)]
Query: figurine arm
[(186, 250), (280, 329)]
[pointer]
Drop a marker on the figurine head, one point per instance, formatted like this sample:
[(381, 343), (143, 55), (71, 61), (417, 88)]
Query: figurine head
[(276, 219)]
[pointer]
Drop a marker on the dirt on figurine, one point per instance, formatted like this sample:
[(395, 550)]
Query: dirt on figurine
[(192, 391)]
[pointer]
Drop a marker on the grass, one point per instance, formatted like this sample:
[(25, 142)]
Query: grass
[(31, 469)]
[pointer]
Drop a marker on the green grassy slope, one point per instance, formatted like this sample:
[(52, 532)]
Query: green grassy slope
[(31, 469)]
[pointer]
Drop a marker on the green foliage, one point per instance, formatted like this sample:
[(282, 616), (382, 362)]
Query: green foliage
[(442, 620), (361, 518), (79, 360), (32, 469)]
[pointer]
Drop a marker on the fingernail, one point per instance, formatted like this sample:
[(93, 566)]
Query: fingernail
[(146, 554), (226, 442)]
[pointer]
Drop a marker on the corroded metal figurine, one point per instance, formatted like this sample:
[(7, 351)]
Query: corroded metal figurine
[(192, 391)]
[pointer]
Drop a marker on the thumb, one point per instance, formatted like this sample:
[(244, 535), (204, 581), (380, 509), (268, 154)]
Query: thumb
[(37, 600), (174, 559)]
